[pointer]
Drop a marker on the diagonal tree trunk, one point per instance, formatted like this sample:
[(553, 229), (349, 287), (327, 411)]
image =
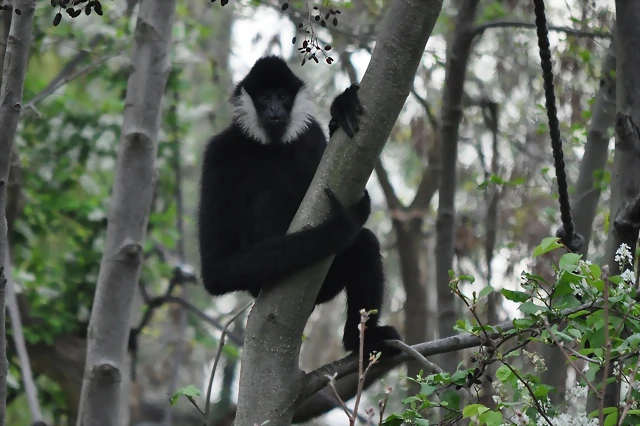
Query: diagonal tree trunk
[(270, 380)]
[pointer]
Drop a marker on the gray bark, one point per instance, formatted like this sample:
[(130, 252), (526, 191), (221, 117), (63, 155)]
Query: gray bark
[(457, 59), (135, 175), (585, 201), (270, 380), (21, 347), (625, 176), (14, 68)]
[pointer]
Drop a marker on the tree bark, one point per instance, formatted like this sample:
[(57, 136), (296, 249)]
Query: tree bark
[(585, 201), (625, 176), (135, 176), (270, 380), (457, 59), (14, 69), (30, 388)]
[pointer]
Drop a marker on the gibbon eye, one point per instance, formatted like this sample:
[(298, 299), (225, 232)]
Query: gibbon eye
[(282, 96)]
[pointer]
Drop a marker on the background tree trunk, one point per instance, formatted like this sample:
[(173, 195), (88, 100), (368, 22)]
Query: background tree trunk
[(457, 59), (135, 175), (596, 150)]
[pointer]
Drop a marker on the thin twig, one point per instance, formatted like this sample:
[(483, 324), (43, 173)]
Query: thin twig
[(627, 402), (50, 90), (215, 362), (332, 383), (607, 359), (363, 319), (563, 350)]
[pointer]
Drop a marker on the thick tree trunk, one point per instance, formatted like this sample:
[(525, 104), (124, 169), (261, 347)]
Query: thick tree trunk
[(135, 175), (270, 380)]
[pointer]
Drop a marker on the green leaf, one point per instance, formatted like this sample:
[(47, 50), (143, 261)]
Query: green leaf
[(503, 373), (473, 410), (485, 292), (491, 418), (531, 308), (393, 420), (190, 392), (542, 390), (578, 314), (569, 261), (427, 389), (611, 419), (595, 271), (469, 278), (515, 296), (452, 399), (548, 244)]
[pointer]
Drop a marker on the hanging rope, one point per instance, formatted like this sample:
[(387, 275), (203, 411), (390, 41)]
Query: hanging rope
[(567, 232)]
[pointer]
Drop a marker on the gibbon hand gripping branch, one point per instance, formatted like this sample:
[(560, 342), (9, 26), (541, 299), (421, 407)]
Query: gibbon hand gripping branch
[(566, 233)]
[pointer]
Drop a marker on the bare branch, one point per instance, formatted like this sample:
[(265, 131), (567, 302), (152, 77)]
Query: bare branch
[(316, 380), (519, 24), (387, 188), (215, 362), (21, 346)]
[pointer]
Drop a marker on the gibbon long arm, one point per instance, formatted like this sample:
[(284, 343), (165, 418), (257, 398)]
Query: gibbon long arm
[(232, 266)]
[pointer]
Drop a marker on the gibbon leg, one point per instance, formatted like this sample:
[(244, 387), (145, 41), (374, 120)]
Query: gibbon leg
[(359, 268)]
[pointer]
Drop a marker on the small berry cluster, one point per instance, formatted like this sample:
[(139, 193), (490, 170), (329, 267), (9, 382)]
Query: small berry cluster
[(74, 8), (222, 2), (311, 45)]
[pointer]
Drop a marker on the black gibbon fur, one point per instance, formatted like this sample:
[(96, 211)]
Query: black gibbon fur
[(254, 176)]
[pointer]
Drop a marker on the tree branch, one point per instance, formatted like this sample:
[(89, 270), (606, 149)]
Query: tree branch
[(317, 379), (519, 24), (20, 344)]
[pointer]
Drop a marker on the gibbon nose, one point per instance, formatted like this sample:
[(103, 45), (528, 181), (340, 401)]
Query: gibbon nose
[(275, 116)]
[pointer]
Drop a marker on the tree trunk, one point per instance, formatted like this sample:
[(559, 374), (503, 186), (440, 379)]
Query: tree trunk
[(14, 69), (135, 175), (625, 176), (457, 59), (585, 201), (409, 235), (270, 380)]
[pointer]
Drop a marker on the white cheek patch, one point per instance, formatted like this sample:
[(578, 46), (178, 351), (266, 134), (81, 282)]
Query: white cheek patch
[(245, 114), (302, 113)]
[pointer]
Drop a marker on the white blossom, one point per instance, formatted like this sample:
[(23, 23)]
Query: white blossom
[(628, 276), (623, 255)]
